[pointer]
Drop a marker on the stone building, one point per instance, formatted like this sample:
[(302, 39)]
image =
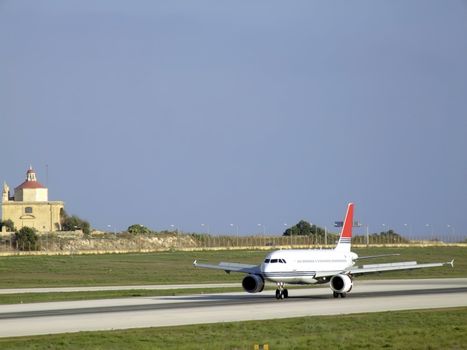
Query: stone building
[(30, 205)]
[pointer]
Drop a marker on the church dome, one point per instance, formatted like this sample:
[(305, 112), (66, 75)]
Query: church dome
[(31, 181)]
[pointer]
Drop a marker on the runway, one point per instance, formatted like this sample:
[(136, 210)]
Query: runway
[(366, 296)]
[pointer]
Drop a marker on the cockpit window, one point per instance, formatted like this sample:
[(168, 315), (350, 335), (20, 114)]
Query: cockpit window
[(275, 261)]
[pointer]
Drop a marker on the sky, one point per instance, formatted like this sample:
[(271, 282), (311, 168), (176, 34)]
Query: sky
[(253, 113)]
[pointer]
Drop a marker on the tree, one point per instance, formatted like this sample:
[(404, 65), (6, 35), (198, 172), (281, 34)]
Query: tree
[(26, 239), (304, 228), (138, 229), (393, 237), (8, 224), (389, 237), (73, 223)]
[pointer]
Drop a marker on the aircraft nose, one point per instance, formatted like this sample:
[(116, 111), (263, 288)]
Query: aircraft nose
[(265, 267)]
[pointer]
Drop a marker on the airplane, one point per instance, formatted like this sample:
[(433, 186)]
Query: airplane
[(314, 266)]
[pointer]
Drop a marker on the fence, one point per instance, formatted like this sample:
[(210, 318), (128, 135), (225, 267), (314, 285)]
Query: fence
[(172, 241)]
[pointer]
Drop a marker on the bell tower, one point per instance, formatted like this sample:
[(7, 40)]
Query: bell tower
[(31, 175), (5, 193)]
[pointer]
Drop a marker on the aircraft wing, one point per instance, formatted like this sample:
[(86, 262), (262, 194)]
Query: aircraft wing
[(407, 265), (373, 268), (230, 267)]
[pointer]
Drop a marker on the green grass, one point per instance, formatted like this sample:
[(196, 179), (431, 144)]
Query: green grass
[(176, 267), (23, 298), (428, 329), (114, 269)]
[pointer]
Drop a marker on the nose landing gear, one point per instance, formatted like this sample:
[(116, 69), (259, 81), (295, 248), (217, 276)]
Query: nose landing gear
[(281, 292)]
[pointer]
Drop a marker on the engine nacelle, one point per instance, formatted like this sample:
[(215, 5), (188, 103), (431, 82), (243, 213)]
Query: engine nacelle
[(253, 283), (341, 283)]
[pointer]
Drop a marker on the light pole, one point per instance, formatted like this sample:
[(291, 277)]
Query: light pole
[(110, 228), (264, 228), (430, 225), (367, 235), (236, 231), (311, 236), (384, 228), (452, 229), (207, 226), (236, 228), (409, 229), (264, 231)]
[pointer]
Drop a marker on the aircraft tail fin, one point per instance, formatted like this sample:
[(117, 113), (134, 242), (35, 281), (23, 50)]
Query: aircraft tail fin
[(346, 234)]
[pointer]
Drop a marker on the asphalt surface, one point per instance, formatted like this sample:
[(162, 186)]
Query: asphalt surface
[(366, 296)]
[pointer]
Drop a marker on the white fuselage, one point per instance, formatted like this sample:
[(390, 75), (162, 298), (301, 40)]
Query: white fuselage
[(302, 266)]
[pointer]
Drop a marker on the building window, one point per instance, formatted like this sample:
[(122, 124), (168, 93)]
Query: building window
[(28, 210)]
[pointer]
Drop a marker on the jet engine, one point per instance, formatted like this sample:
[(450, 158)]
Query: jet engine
[(341, 283), (253, 283)]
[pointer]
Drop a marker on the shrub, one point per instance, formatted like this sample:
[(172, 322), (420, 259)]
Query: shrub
[(8, 224), (26, 239), (138, 229), (73, 223)]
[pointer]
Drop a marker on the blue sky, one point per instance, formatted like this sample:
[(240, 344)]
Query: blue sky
[(246, 112)]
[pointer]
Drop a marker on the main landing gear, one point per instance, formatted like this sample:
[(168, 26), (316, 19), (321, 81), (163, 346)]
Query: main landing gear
[(281, 292), (337, 295)]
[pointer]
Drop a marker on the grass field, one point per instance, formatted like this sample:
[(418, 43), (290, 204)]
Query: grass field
[(176, 268), (23, 298), (428, 329)]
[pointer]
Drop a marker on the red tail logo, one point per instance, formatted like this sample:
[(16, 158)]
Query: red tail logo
[(348, 222), (346, 234)]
